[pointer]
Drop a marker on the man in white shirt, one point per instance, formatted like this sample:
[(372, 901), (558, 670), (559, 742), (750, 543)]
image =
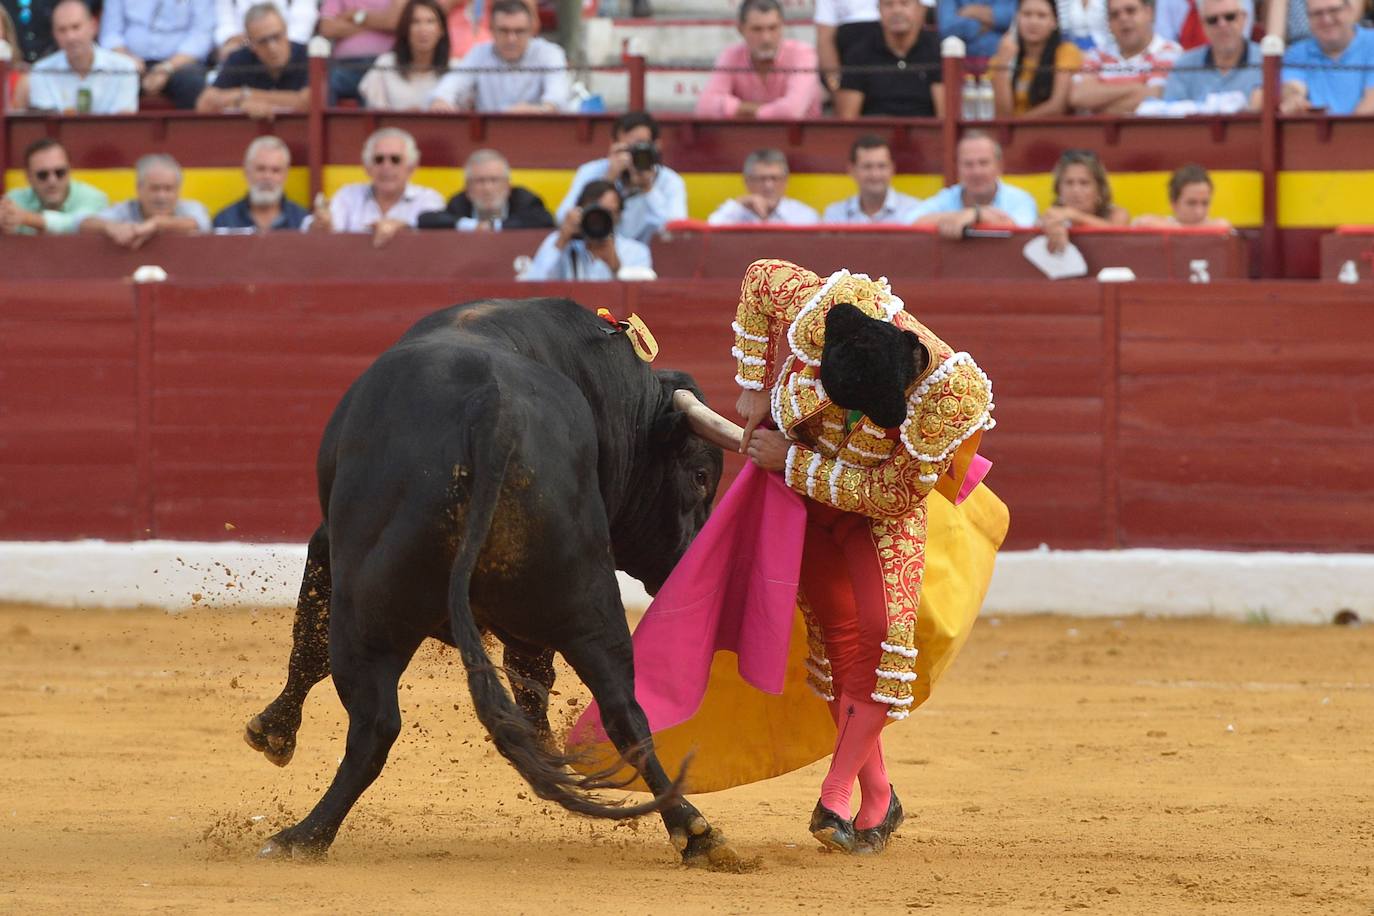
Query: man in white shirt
[(1133, 68), (765, 178), (981, 198), (82, 77), (586, 246), (386, 204), (871, 167), (515, 72), (653, 194)]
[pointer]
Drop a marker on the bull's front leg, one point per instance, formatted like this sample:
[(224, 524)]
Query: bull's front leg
[(273, 731)]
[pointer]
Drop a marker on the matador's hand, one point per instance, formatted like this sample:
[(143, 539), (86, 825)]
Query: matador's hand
[(752, 406), (768, 449)]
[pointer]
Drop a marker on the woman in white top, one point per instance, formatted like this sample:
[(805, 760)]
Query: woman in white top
[(403, 77)]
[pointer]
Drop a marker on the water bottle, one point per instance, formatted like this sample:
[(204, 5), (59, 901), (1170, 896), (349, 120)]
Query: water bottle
[(969, 99), (987, 107)]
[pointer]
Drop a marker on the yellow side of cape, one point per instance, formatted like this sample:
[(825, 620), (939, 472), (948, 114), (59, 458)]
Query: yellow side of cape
[(741, 735)]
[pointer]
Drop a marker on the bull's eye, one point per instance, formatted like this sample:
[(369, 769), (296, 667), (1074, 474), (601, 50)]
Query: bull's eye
[(701, 478)]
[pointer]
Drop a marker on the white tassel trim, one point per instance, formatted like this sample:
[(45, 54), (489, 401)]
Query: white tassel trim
[(899, 650), (898, 713), (929, 478), (865, 453), (790, 466), (741, 332), (751, 384), (835, 483), (828, 697), (905, 677), (811, 469), (891, 701), (817, 673), (745, 359)]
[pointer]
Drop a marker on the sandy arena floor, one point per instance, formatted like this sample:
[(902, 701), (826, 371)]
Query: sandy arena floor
[(1124, 767)]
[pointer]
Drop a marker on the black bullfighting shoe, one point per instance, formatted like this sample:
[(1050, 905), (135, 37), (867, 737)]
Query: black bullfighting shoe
[(833, 831), (870, 841)]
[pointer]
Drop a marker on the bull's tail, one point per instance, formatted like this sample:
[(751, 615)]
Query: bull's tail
[(548, 773)]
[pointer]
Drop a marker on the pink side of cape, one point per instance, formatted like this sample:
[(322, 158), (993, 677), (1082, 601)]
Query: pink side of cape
[(735, 589)]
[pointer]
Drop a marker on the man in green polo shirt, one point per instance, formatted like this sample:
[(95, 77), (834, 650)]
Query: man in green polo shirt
[(52, 203)]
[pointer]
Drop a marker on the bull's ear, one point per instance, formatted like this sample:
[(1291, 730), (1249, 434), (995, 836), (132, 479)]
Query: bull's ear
[(671, 428)]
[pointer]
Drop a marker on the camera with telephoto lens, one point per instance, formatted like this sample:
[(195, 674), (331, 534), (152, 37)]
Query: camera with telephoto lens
[(597, 223), (643, 156)]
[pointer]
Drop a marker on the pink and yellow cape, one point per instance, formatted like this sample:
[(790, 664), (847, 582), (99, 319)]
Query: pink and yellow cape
[(720, 655)]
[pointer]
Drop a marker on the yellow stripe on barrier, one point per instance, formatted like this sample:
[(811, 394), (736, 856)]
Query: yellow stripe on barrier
[(1306, 199), (1317, 200)]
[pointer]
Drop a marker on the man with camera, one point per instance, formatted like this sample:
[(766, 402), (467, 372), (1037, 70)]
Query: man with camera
[(586, 245), (654, 194)]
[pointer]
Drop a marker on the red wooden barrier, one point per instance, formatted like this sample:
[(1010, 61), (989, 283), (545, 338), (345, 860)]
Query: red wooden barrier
[(1230, 415)]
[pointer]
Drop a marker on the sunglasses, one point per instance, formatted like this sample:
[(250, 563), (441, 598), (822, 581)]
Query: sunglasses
[(383, 158), (1219, 17), (45, 174)]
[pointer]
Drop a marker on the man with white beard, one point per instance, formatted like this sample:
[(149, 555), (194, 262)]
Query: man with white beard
[(265, 207)]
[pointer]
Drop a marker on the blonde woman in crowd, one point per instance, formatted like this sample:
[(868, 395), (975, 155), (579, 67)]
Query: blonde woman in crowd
[(1082, 197)]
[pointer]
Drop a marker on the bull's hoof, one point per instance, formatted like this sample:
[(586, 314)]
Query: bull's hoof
[(706, 847), (282, 847), (277, 748)]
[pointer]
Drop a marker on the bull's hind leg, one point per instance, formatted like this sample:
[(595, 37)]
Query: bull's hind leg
[(531, 678), (366, 678), (273, 731), (605, 663)]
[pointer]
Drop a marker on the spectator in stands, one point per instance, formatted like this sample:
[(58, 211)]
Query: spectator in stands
[(765, 178), (1082, 197), (1034, 66), (586, 246), (157, 210), (488, 203), (871, 167), (980, 25), (360, 30), (516, 72), (840, 25), (469, 24), (81, 77), (653, 195), (767, 76), (269, 76), (54, 202), (1224, 74), (907, 81), (32, 21), (300, 17), (265, 207), (1084, 22), (1181, 21), (168, 43), (1117, 78), (388, 202), (980, 198), (1332, 71), (1190, 196), (16, 88), (402, 78)]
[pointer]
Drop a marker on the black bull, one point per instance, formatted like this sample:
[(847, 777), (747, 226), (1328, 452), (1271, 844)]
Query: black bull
[(490, 472)]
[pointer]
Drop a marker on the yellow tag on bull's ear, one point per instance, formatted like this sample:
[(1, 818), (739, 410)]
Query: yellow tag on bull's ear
[(646, 348)]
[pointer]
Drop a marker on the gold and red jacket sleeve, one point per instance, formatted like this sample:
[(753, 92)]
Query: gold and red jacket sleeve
[(770, 297), (889, 490)]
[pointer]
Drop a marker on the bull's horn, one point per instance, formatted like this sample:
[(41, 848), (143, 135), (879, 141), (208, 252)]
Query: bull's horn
[(706, 423)]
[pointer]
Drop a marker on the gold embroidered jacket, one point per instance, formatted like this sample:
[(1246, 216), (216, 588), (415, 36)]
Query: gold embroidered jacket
[(880, 473)]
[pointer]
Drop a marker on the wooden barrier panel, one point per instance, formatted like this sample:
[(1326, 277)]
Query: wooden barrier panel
[(1347, 255), (1232, 415), (1245, 423)]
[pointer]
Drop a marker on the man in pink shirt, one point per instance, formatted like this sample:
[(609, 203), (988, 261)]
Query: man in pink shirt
[(765, 77)]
